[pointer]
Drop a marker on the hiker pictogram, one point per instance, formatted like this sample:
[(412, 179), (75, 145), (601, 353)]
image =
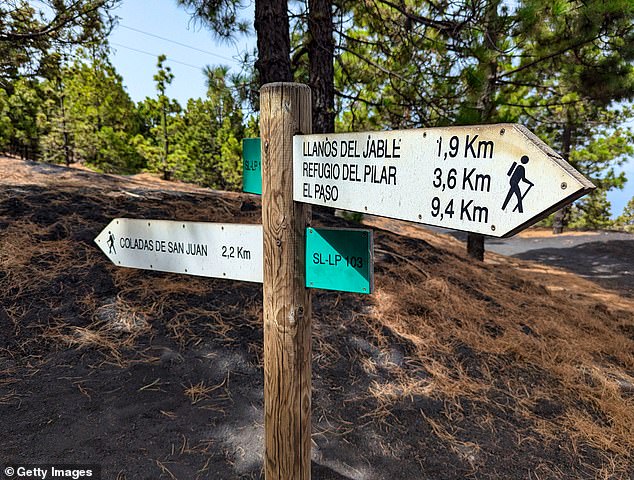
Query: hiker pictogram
[(518, 175), (111, 248)]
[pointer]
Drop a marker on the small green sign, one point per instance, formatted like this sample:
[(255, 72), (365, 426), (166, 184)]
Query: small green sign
[(339, 259), (251, 166)]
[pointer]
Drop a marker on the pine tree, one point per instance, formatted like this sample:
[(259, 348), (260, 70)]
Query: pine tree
[(32, 34), (212, 133), (57, 136), (25, 111), (626, 219), (164, 77), (89, 117), (6, 129), (578, 63), (162, 123), (592, 212)]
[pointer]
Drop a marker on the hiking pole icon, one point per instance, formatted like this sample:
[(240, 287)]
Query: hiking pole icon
[(519, 202)]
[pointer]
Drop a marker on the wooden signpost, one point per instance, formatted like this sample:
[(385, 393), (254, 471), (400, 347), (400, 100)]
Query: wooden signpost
[(285, 111), (494, 180)]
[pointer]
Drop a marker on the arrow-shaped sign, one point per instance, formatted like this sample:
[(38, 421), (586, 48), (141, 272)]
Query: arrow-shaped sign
[(492, 179), (220, 250)]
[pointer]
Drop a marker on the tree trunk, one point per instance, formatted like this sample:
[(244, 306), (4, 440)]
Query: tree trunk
[(65, 132), (560, 220), (321, 52), (486, 102), (475, 246), (321, 70), (274, 44), (561, 216)]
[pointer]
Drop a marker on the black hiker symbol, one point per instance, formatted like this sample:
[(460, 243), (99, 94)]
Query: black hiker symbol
[(517, 174), (110, 242)]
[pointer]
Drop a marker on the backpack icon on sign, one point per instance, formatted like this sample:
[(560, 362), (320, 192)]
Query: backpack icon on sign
[(518, 175)]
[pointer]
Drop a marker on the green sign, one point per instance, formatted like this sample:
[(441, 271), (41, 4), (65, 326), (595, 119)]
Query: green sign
[(251, 166), (338, 259)]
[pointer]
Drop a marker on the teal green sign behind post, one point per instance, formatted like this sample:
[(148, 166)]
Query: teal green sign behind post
[(251, 166), (338, 259)]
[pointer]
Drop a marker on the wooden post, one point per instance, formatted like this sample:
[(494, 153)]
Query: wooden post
[(284, 111)]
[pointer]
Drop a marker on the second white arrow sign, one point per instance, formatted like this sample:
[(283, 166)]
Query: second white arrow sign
[(220, 250)]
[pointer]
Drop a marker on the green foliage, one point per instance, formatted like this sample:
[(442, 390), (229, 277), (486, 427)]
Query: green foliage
[(626, 219), (197, 140), (116, 152), (33, 34), (64, 113), (167, 161), (83, 113), (602, 151), (174, 164), (356, 217), (592, 212), (221, 16), (252, 128), (230, 159), (89, 117), (203, 142), (25, 111), (6, 128)]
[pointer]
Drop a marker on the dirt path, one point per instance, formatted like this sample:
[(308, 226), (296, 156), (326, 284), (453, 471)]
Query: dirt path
[(608, 261), (604, 257)]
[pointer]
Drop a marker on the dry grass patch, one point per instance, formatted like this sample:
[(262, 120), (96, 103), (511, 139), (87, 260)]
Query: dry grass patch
[(472, 325)]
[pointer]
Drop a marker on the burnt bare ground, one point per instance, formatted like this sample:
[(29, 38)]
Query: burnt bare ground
[(450, 370)]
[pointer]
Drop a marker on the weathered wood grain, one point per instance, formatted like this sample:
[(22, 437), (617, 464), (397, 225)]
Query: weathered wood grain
[(285, 110)]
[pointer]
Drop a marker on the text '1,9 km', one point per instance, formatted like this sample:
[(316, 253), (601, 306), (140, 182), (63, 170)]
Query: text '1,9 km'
[(491, 179)]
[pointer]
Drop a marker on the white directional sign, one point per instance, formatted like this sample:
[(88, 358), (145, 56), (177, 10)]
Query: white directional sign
[(491, 179), (218, 250)]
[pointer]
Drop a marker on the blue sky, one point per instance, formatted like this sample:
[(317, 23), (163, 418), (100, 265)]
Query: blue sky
[(619, 198), (188, 46), (136, 46)]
